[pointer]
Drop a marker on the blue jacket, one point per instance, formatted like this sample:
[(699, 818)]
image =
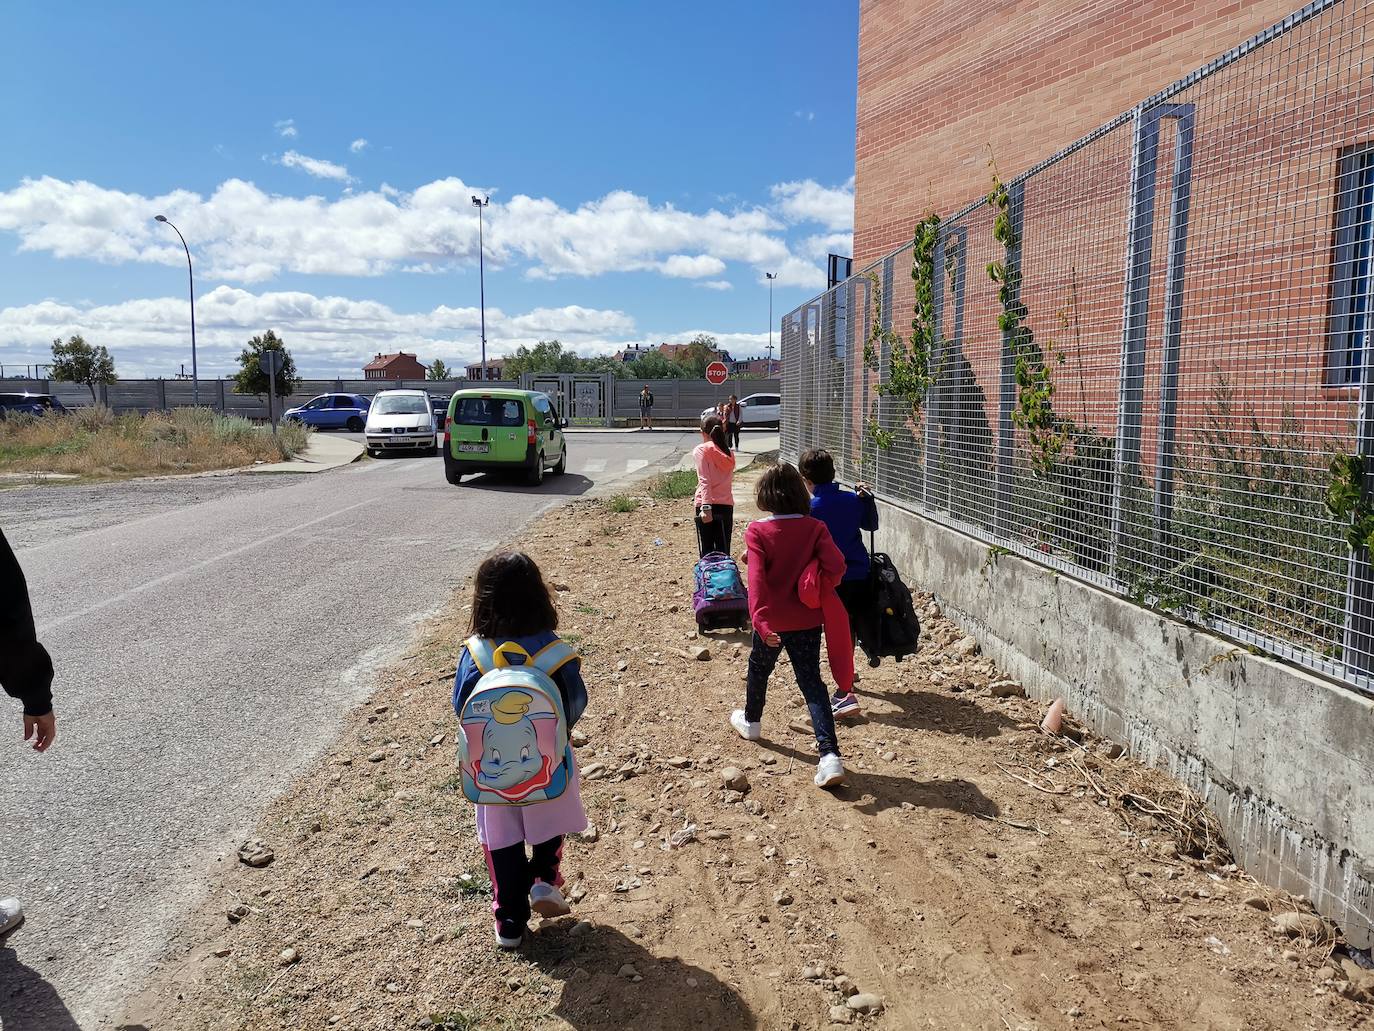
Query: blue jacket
[(847, 516), (568, 679)]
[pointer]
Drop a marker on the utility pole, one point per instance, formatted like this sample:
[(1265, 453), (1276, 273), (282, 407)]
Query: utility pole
[(480, 203), (771, 276), (191, 279)]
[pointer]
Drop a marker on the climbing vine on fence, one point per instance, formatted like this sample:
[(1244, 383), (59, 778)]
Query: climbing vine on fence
[(1034, 412), (1346, 499)]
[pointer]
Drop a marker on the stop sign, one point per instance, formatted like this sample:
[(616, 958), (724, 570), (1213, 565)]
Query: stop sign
[(717, 373)]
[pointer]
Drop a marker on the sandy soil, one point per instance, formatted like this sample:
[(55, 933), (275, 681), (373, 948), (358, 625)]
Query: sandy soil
[(939, 879)]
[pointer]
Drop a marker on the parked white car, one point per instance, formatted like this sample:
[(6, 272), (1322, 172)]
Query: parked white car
[(400, 420), (756, 410)]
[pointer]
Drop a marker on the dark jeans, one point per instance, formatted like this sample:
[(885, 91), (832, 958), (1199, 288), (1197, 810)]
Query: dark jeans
[(715, 535), (732, 432), (512, 876), (804, 649)]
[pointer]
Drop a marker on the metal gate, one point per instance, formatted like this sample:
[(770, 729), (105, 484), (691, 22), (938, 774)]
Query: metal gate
[(581, 398)]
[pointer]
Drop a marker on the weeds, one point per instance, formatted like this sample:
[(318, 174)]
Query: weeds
[(97, 443), (680, 483), (455, 1021), (622, 503), (470, 884)]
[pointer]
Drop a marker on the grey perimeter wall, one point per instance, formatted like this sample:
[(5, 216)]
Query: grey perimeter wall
[(1285, 759)]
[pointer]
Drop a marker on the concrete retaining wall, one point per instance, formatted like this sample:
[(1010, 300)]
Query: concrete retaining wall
[(1285, 759)]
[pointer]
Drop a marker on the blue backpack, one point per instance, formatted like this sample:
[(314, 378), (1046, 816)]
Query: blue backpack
[(513, 746)]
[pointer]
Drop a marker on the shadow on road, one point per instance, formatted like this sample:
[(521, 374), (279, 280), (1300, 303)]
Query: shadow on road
[(569, 485), (596, 997), (27, 1001)]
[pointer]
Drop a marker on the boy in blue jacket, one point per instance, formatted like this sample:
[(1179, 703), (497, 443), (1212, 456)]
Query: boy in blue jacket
[(847, 516)]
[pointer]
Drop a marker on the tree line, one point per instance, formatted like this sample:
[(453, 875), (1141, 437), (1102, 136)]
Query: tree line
[(77, 361)]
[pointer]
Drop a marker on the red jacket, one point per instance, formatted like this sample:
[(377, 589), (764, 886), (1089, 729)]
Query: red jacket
[(779, 549)]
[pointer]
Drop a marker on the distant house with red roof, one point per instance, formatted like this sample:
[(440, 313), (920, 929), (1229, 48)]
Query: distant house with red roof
[(394, 366)]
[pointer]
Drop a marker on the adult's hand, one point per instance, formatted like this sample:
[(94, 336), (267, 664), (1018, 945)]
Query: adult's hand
[(42, 730), (863, 489)]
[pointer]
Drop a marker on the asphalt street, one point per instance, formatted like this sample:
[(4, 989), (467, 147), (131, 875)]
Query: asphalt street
[(208, 635)]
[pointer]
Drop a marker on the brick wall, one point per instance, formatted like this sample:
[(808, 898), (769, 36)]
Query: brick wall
[(943, 84)]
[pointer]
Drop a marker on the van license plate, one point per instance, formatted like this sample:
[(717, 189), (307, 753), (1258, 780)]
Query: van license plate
[(480, 449)]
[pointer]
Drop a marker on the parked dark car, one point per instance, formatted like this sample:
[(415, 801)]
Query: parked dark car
[(439, 402), (31, 404)]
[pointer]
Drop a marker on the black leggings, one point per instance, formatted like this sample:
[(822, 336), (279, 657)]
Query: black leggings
[(804, 649), (732, 432), (715, 535), (512, 876)]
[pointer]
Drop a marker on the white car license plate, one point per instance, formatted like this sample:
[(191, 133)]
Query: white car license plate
[(480, 449)]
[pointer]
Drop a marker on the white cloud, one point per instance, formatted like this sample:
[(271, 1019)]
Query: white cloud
[(809, 201), (818, 247), (318, 167), (327, 335), (716, 284), (358, 146), (287, 128), (699, 266), (244, 234)]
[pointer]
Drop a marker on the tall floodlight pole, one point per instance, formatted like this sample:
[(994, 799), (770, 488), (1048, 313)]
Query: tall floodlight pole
[(771, 276), (480, 203), (191, 279)]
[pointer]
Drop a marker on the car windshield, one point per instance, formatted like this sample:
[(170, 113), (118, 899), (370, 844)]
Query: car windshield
[(400, 404), (489, 411)]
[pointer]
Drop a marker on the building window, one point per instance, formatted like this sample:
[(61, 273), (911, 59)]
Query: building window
[(1352, 319)]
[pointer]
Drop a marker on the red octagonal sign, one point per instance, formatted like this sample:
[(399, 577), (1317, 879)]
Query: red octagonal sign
[(717, 373)]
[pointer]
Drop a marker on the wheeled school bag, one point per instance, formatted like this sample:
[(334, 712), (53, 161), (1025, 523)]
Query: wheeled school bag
[(719, 600), (889, 626), (513, 748)]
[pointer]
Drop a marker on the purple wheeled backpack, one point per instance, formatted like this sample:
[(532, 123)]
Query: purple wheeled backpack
[(720, 599)]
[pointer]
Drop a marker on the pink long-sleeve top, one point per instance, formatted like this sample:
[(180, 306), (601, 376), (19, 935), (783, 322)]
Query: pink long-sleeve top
[(780, 548), (715, 469)]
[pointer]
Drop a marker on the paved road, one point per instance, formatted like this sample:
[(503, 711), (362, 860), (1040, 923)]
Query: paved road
[(208, 635)]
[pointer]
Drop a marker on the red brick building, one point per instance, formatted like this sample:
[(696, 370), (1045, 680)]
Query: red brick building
[(394, 366), (945, 84)]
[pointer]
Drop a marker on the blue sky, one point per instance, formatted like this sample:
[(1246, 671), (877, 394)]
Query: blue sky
[(646, 163)]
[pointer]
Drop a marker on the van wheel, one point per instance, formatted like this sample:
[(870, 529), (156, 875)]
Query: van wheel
[(452, 475), (536, 475), (355, 425), (562, 465)]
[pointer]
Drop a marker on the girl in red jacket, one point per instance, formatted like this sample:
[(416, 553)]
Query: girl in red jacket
[(779, 548)]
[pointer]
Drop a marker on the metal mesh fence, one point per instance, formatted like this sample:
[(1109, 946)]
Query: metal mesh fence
[(1175, 349)]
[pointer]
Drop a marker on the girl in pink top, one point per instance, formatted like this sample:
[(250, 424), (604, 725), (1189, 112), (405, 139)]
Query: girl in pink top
[(715, 501), (783, 549)]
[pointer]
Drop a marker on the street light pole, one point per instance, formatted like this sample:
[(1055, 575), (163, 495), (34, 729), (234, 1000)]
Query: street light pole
[(480, 203), (191, 279), (771, 276)]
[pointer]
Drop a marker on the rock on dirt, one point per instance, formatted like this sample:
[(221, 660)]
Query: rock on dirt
[(841, 1015), (866, 1002), (1302, 925), (1006, 689), (964, 647), (256, 852), (288, 956), (699, 652), (734, 779), (578, 738)]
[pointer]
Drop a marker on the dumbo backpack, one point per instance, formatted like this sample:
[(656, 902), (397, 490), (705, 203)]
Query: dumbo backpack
[(513, 745)]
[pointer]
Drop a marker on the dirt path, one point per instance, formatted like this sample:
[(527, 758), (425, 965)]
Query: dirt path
[(959, 895)]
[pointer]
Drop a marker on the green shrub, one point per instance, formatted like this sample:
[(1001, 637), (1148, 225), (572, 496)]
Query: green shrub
[(622, 503), (292, 439)]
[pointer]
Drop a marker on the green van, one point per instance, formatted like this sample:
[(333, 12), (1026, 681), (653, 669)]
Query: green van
[(499, 430)]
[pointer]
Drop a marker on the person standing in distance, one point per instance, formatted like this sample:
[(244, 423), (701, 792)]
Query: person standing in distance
[(734, 415), (26, 674), (646, 408)]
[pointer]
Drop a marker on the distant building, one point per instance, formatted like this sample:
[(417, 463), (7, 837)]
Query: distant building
[(394, 366), (759, 368), (495, 369)]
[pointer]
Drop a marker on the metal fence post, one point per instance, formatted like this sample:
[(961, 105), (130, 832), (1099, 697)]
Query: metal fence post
[(161, 394), (1006, 432)]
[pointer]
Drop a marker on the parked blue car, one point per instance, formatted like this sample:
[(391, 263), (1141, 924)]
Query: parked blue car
[(30, 404), (333, 412)]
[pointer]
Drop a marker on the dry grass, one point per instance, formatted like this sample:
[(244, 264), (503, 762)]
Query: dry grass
[(96, 443)]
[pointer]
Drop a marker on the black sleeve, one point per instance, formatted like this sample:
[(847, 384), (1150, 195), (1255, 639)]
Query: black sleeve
[(26, 673)]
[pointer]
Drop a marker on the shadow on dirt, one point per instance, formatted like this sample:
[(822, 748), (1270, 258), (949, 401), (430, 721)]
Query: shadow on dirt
[(930, 710), (672, 994), (27, 1001), (875, 792)]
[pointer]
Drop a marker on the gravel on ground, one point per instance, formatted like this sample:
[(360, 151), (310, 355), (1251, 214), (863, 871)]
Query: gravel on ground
[(973, 872)]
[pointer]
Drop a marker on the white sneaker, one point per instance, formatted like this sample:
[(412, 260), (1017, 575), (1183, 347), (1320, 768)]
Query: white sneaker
[(745, 729), (11, 915), (548, 901), (829, 771)]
